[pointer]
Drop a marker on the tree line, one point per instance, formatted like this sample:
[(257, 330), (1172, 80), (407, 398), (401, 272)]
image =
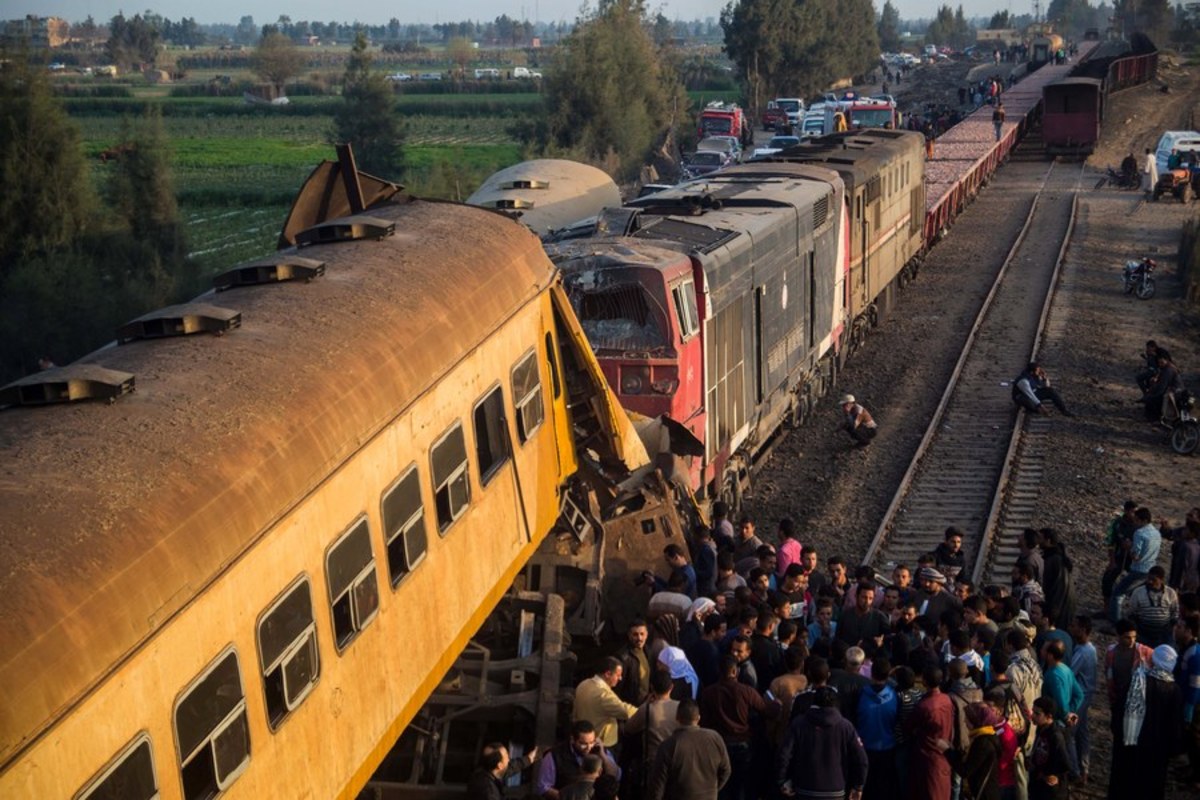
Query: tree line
[(795, 48)]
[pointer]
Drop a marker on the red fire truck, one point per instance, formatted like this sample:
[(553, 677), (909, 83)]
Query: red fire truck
[(725, 119)]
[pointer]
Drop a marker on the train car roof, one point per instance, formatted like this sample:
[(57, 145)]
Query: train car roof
[(1095, 83), (857, 154), (704, 213), (116, 516), (548, 193)]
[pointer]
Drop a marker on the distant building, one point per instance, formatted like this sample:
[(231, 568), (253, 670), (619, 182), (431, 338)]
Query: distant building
[(39, 33)]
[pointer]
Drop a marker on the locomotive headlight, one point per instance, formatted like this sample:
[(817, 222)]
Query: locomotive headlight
[(634, 379)]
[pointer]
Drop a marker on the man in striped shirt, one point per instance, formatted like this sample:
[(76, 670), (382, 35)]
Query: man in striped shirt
[(1153, 607)]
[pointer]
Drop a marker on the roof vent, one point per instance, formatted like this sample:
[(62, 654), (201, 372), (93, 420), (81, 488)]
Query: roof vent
[(526, 183), (511, 203), (270, 270), (67, 385), (180, 320), (346, 229)]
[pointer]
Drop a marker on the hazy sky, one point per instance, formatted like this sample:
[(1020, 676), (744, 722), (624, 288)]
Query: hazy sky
[(378, 11)]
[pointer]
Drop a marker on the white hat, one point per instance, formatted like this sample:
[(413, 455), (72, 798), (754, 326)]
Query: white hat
[(1165, 657), (847, 398)]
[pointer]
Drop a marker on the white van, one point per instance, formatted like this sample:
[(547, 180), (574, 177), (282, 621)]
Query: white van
[(1175, 140)]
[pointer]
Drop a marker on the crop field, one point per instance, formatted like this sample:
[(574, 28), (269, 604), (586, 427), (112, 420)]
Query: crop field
[(237, 167)]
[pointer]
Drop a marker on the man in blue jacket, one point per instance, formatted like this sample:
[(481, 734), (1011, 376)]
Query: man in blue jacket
[(822, 755), (876, 725)]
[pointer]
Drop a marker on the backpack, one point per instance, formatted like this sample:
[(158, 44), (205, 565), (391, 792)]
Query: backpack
[(1018, 716)]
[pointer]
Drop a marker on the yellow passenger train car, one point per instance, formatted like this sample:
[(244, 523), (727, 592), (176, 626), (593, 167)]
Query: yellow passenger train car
[(243, 576)]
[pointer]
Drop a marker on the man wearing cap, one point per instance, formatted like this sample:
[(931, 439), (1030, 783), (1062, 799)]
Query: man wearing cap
[(937, 599), (859, 423)]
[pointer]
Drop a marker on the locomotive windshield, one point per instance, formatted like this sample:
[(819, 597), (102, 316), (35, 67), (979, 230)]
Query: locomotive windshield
[(619, 315)]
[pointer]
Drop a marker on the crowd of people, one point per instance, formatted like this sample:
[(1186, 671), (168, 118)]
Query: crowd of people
[(765, 670)]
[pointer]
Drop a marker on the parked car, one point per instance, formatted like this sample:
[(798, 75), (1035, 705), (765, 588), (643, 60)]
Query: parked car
[(400, 77), (1174, 140), (729, 146), (794, 107), (776, 144), (774, 117), (703, 162)]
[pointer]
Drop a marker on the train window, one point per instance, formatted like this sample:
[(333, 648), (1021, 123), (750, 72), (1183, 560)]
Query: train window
[(287, 652), (685, 308), (450, 486), (129, 776), (404, 525), (527, 395), (353, 596), (491, 435), (554, 380), (211, 729)]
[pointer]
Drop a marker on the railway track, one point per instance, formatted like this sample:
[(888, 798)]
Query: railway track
[(963, 471)]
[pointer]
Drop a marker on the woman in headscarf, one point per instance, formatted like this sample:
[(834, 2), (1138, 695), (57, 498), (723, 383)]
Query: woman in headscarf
[(979, 766), (687, 683), (1153, 719), (693, 628)]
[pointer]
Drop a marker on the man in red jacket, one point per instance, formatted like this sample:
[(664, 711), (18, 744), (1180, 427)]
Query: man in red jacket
[(931, 723)]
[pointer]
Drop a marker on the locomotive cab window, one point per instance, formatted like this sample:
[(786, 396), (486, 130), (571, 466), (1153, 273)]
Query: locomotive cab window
[(684, 295), (491, 435), (527, 396), (129, 776), (353, 595), (211, 729), (404, 525), (451, 489), (287, 651)]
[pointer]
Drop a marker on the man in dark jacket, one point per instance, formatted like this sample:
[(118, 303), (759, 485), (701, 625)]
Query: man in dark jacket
[(635, 664), (691, 763), (495, 767), (729, 707), (822, 755), (1031, 390)]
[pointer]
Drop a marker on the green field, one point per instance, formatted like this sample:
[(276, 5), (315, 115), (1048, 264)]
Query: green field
[(237, 167)]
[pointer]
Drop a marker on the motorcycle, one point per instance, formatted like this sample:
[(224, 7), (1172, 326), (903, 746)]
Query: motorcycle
[(1124, 180), (1137, 278), (1185, 430)]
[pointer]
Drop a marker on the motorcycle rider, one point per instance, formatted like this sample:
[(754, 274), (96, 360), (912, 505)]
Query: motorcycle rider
[(1145, 375), (1032, 388), (1129, 170), (1159, 396)]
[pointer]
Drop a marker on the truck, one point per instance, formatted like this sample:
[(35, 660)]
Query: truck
[(774, 117), (853, 112), (724, 119)]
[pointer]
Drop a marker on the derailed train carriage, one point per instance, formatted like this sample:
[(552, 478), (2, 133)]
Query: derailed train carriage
[(244, 578)]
